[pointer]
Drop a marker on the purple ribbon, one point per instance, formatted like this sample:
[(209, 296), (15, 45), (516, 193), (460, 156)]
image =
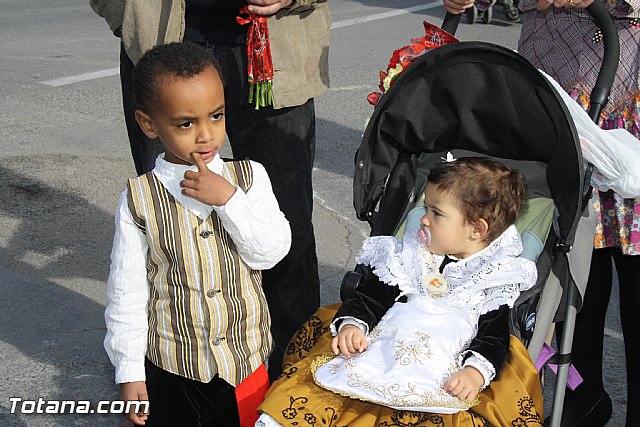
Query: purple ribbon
[(574, 379)]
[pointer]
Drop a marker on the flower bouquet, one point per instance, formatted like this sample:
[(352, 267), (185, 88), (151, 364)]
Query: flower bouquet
[(403, 57), (259, 62)]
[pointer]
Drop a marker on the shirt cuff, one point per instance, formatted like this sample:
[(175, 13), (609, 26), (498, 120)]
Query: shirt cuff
[(128, 372), (481, 363), (348, 320), (236, 203)]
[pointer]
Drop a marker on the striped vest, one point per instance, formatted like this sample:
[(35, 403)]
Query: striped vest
[(207, 312)]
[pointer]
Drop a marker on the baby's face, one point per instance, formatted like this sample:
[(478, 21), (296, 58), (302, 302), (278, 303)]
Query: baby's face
[(450, 232), (188, 116)]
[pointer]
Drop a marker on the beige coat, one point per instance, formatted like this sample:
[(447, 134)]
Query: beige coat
[(299, 40)]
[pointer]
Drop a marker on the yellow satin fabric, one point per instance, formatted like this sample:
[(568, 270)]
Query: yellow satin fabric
[(514, 398)]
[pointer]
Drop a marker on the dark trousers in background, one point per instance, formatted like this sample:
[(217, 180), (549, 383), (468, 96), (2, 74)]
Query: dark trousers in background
[(587, 402), (283, 141), (178, 401), (143, 150)]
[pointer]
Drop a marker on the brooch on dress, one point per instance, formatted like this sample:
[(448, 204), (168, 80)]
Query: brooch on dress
[(432, 280)]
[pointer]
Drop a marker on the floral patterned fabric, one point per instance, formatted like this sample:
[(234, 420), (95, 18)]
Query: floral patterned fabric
[(568, 46), (513, 399)]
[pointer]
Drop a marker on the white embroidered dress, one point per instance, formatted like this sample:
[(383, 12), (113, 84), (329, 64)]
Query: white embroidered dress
[(417, 345)]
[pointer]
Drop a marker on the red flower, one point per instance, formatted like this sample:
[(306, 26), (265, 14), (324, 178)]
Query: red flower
[(434, 37), (374, 98)]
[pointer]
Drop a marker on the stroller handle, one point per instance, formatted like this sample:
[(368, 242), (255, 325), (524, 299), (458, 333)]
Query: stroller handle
[(450, 22), (611, 56), (607, 73)]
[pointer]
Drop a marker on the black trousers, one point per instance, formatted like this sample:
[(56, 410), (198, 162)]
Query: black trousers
[(283, 141), (178, 401), (587, 353)]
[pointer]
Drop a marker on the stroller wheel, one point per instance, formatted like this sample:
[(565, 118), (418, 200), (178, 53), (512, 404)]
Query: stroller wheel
[(487, 16), (472, 15), (512, 14)]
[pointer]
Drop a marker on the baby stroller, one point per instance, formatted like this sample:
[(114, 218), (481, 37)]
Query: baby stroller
[(509, 7), (430, 111), (445, 102)]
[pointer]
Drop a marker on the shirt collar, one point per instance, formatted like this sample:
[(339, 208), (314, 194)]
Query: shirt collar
[(174, 170)]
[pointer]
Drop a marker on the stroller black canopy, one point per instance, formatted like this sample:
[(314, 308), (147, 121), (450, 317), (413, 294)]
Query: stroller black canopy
[(470, 96)]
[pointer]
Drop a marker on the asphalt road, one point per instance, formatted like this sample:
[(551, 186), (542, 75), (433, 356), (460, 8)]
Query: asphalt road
[(65, 159)]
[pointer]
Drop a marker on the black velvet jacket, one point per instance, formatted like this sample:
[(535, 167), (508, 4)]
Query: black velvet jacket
[(372, 298)]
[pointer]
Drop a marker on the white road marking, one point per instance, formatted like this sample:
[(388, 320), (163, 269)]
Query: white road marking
[(613, 334), (385, 15), (82, 77), (350, 88), (358, 226), (340, 24)]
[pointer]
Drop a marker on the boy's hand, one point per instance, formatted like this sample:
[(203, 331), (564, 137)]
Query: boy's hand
[(350, 340), (205, 185), (465, 384), (136, 390)]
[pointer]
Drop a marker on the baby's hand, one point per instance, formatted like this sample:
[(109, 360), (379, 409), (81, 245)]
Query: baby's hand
[(350, 340), (465, 384), (136, 391), (205, 185)]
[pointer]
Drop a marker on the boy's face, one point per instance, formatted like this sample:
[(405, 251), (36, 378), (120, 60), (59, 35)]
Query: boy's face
[(187, 116), (451, 234)]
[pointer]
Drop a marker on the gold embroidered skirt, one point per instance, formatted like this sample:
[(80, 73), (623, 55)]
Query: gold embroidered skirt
[(514, 398)]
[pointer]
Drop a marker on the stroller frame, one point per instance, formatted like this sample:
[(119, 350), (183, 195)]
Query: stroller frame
[(393, 156)]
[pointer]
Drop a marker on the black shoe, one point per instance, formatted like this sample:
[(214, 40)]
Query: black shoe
[(575, 415), (512, 14)]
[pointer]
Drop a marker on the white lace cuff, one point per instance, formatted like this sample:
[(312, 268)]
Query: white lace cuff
[(481, 363), (266, 421), (348, 320)]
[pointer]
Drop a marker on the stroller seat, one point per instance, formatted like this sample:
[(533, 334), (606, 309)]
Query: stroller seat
[(295, 400)]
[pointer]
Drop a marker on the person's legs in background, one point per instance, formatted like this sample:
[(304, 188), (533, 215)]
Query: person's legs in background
[(283, 141), (589, 404), (143, 150), (628, 269)]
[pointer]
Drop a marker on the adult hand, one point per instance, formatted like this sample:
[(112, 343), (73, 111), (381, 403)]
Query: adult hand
[(267, 7), (350, 340), (135, 391), (465, 384), (457, 6), (205, 185), (578, 4)]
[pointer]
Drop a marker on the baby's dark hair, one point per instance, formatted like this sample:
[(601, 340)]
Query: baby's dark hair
[(183, 60), (485, 188)]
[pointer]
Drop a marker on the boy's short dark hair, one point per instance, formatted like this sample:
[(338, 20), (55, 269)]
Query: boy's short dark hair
[(178, 59), (485, 188)]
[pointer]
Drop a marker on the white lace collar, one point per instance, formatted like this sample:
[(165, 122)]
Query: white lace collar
[(495, 269), (506, 245)]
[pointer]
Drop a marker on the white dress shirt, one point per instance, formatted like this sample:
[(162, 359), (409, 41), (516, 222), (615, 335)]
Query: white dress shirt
[(253, 220)]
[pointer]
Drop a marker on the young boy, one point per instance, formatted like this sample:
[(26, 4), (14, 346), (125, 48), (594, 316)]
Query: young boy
[(187, 320)]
